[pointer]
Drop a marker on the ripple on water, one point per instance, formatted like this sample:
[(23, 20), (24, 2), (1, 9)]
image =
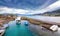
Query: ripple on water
[(17, 30)]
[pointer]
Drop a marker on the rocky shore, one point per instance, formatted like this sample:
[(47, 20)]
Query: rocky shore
[(4, 20)]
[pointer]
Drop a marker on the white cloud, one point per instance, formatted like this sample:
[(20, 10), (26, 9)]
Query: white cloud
[(52, 7), (12, 10)]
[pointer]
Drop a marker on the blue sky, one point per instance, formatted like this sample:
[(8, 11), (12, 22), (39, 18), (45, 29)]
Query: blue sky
[(24, 6)]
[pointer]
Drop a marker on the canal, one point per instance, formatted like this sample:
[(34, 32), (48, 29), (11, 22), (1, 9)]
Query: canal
[(17, 30), (22, 30)]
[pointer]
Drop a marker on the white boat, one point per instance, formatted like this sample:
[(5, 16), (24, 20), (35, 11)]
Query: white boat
[(2, 32), (18, 20)]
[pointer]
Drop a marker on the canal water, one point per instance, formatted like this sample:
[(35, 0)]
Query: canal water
[(17, 30), (22, 30)]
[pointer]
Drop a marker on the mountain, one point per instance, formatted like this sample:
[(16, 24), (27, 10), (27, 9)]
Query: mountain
[(53, 13)]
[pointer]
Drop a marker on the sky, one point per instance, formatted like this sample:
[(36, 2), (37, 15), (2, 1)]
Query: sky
[(28, 6)]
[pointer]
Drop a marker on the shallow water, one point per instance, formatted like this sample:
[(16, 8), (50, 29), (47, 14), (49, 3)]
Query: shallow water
[(17, 30)]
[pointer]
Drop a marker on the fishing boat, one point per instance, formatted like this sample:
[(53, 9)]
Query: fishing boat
[(18, 21), (26, 23)]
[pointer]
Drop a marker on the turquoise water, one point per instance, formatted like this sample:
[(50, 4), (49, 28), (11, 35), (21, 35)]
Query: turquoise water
[(17, 30)]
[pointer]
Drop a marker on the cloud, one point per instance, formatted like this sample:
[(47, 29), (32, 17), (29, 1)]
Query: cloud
[(54, 6), (19, 11), (23, 4), (51, 7), (12, 10)]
